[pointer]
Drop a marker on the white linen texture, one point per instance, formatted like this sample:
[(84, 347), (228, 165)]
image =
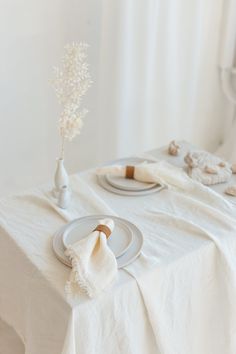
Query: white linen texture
[(177, 297)]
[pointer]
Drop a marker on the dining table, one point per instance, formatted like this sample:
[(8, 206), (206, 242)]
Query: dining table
[(177, 297)]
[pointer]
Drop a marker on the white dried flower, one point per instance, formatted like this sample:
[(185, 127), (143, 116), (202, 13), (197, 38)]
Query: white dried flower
[(71, 83)]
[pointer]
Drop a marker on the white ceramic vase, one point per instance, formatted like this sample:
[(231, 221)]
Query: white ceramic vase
[(61, 176)]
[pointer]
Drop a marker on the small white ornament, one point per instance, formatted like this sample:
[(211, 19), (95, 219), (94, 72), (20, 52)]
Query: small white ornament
[(64, 197)]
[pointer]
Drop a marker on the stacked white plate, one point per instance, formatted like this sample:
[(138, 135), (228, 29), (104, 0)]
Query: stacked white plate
[(125, 241), (125, 186)]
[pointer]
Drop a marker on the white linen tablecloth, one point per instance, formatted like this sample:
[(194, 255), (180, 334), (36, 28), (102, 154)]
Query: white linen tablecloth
[(177, 297)]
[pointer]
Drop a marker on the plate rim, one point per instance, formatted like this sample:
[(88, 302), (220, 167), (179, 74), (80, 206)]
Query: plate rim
[(105, 185), (113, 184)]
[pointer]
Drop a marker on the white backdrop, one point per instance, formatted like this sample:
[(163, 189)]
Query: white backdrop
[(228, 79), (155, 70)]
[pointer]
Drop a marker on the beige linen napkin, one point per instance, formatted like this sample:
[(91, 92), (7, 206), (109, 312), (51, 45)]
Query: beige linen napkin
[(94, 265), (173, 177), (157, 172)]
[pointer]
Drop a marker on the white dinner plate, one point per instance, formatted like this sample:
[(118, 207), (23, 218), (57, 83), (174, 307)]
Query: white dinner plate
[(128, 257), (103, 183), (126, 183), (119, 241)]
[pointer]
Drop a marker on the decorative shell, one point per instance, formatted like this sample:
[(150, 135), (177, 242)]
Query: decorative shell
[(207, 168), (222, 164), (233, 167), (212, 170), (191, 159), (173, 148), (231, 190)]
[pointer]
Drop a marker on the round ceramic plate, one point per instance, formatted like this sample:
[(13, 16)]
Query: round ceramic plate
[(129, 184), (103, 183), (128, 257), (119, 241)]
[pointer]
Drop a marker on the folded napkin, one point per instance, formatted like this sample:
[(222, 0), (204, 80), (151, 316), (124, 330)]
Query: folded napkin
[(173, 177), (157, 172), (94, 265)]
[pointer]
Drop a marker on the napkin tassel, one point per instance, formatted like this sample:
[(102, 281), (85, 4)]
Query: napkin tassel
[(79, 278)]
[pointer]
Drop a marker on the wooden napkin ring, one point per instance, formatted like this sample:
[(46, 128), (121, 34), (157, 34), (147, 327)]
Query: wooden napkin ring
[(103, 228), (129, 172)]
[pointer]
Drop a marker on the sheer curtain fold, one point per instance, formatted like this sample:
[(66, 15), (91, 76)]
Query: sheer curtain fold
[(160, 73), (227, 63)]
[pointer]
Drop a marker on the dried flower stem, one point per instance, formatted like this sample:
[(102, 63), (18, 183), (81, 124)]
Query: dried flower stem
[(71, 83), (63, 140)]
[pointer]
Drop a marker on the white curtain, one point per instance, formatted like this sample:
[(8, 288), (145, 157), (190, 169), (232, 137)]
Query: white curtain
[(155, 65), (228, 78), (159, 75)]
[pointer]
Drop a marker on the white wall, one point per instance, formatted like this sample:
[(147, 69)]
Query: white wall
[(32, 36)]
